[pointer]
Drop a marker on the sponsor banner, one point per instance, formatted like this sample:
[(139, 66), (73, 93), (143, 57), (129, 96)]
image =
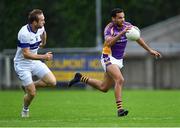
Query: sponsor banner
[(63, 76), (65, 65)]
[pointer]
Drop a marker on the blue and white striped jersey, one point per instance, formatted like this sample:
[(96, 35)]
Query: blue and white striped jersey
[(27, 39)]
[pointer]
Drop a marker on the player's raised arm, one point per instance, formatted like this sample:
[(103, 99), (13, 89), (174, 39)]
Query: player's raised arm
[(142, 43)]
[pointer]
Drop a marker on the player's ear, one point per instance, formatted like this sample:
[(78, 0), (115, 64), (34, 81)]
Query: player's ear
[(35, 22), (113, 19)]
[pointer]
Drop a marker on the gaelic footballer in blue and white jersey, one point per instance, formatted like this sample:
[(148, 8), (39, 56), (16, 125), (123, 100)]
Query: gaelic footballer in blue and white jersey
[(28, 39)]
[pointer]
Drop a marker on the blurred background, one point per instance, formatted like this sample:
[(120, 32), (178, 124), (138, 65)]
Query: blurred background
[(75, 36)]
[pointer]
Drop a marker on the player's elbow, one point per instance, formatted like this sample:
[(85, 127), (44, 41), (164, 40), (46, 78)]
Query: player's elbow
[(26, 55)]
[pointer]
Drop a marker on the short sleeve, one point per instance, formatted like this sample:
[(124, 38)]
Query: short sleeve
[(128, 24), (24, 40), (107, 32)]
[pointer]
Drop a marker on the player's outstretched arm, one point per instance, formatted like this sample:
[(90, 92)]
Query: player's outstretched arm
[(142, 43)]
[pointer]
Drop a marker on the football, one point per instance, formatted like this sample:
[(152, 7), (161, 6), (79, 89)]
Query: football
[(133, 34)]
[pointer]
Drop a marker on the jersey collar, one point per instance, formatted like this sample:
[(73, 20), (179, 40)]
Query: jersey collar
[(30, 29)]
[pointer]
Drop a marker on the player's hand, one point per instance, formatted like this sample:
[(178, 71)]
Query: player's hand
[(48, 56), (155, 53), (126, 29)]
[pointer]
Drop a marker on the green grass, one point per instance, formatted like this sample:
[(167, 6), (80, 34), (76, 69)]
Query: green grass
[(84, 108)]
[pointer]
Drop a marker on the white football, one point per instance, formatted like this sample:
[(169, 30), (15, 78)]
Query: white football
[(133, 34)]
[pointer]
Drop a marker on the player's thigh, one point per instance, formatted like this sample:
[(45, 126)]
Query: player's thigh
[(49, 78), (44, 73), (40, 69), (114, 71), (24, 74), (109, 60)]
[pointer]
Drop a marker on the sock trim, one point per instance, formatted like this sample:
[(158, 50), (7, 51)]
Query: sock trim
[(84, 79)]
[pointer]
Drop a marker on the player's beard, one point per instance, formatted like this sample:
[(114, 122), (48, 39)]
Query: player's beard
[(38, 26), (119, 24)]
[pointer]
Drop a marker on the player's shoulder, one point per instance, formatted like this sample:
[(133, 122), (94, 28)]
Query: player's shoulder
[(24, 30), (109, 26), (127, 23)]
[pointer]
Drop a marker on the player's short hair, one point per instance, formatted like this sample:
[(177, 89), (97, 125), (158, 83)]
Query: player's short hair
[(33, 15), (115, 11)]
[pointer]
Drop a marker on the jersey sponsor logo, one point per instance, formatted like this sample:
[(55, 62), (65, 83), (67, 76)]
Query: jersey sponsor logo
[(122, 41)]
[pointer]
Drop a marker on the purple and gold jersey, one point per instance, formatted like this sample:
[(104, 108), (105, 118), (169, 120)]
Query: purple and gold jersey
[(117, 50)]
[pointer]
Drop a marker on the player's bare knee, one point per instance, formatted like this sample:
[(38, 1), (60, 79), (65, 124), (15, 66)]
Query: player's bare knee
[(119, 82), (104, 89), (32, 94), (53, 82)]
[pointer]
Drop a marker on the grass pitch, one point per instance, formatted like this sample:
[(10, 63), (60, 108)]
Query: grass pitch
[(88, 108)]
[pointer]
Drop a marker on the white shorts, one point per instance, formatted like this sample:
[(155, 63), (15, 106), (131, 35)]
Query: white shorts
[(25, 71), (108, 60)]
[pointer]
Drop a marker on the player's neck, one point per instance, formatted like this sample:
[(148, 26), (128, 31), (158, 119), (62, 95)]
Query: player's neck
[(119, 26), (33, 28)]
